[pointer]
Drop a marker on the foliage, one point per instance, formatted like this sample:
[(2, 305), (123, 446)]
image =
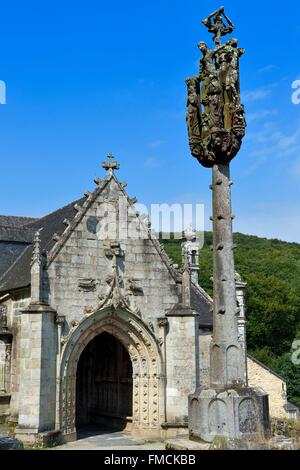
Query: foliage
[(285, 367), (271, 269), (272, 312)]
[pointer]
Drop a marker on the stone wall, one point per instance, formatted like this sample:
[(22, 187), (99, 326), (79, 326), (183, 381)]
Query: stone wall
[(104, 244), (204, 348), (275, 386), (38, 348), (77, 282), (14, 305), (83, 257), (182, 365), (258, 376)]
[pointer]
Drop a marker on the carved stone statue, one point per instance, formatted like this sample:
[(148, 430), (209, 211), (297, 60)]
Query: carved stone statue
[(207, 70), (193, 115), (227, 58), (215, 115), (215, 102), (3, 317), (227, 407), (215, 24)]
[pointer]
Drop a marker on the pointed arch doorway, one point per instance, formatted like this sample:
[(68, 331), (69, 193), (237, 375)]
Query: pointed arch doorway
[(147, 363), (104, 384)]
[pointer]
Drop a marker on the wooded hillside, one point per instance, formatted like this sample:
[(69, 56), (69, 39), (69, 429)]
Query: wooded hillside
[(271, 269)]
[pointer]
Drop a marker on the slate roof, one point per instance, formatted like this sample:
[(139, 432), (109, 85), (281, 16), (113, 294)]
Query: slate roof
[(14, 237), (15, 222), (17, 273), (201, 302), (17, 231), (9, 252), (291, 407), (17, 235), (14, 229)]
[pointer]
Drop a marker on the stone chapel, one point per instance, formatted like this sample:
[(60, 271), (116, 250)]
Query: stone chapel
[(98, 326)]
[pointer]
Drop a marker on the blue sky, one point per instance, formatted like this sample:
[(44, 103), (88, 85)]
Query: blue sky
[(86, 78)]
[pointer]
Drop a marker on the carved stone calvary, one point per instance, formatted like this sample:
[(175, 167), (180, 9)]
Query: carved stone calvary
[(215, 116), (116, 295), (216, 127)]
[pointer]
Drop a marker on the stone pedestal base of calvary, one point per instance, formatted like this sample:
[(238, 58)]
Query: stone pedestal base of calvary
[(232, 413), (228, 408)]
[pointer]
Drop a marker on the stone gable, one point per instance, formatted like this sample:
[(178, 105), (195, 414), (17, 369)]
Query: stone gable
[(79, 275)]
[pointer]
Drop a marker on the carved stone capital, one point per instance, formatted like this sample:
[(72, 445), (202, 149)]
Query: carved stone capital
[(162, 322), (60, 320)]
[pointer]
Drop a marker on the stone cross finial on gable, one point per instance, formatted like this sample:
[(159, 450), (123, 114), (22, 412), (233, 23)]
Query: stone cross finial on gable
[(110, 165)]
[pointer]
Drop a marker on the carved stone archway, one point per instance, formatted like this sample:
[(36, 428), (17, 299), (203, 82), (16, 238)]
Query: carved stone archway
[(148, 379)]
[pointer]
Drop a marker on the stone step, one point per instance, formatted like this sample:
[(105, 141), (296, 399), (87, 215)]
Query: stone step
[(184, 443)]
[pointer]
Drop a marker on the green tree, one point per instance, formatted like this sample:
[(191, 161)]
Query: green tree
[(264, 355), (272, 312), (291, 372), (272, 270)]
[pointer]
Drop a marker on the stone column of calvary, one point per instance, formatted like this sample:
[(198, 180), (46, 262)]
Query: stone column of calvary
[(216, 126)]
